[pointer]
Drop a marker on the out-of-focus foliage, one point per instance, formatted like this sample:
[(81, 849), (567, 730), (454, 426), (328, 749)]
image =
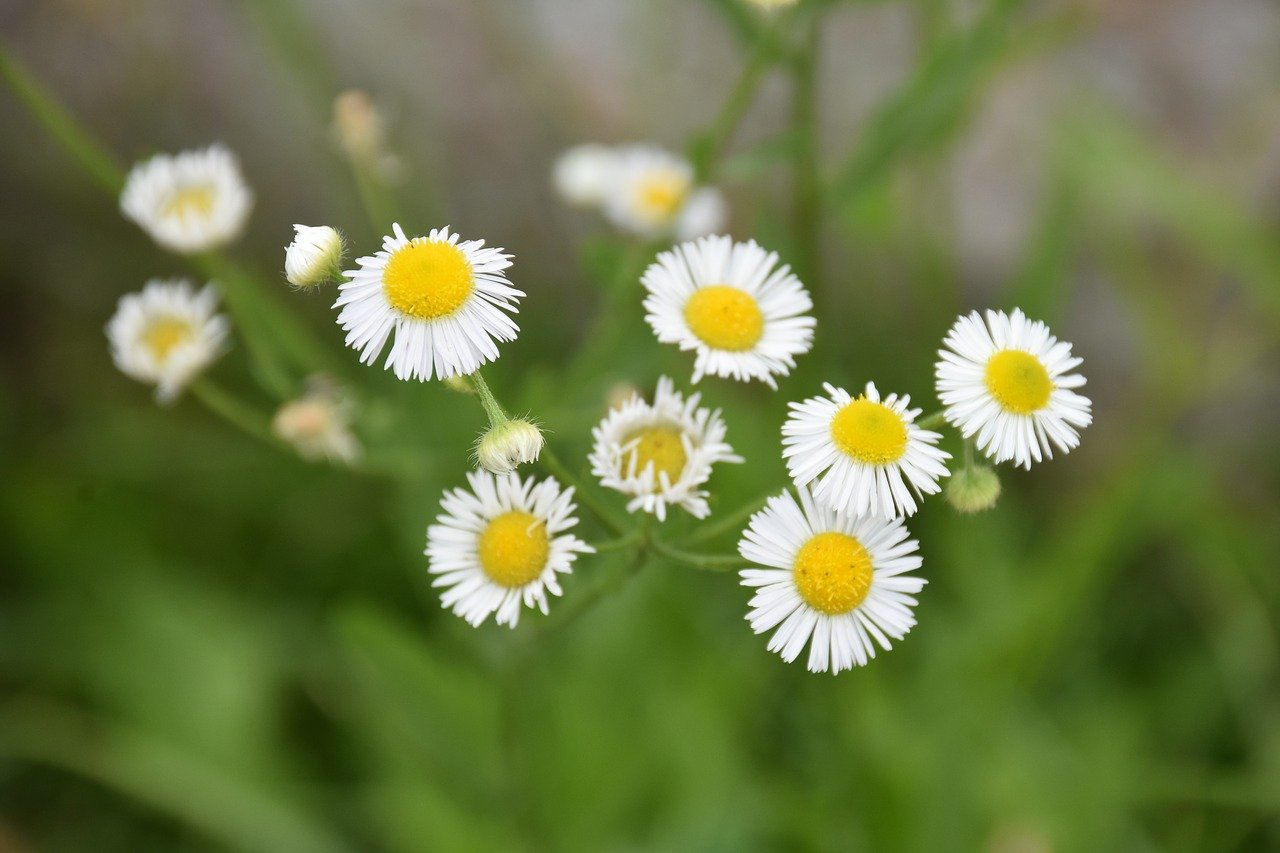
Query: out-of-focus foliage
[(207, 644)]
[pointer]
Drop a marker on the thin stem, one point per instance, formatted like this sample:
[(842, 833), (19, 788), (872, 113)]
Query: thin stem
[(632, 539), (933, 419), (232, 410), (582, 604), (705, 562), (59, 124), (492, 408), (549, 461), (729, 521)]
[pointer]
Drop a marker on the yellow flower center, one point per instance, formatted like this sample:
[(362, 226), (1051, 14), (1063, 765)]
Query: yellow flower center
[(162, 334), (833, 573), (514, 548), (1018, 381), (724, 317), (661, 193), (187, 202), (870, 432), (427, 280), (661, 446)]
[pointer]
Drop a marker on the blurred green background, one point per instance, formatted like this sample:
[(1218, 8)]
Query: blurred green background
[(207, 644)]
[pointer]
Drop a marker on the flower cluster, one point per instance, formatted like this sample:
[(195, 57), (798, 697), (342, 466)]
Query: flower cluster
[(833, 566)]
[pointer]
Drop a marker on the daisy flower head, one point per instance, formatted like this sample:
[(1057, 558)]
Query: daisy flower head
[(744, 315), (584, 174), (867, 454), (502, 544), (318, 424), (188, 202), (167, 334), (837, 582), (443, 301), (660, 453), (1009, 382), (653, 193)]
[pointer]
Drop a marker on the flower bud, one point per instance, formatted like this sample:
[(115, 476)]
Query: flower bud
[(314, 257), (461, 384), (973, 489), (509, 444)]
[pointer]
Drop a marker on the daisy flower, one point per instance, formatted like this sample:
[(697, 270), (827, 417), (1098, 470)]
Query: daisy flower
[(443, 298), (1009, 382), (836, 582), (502, 544), (653, 194), (318, 424), (866, 453), (167, 334), (743, 314), (584, 174), (660, 453), (188, 202)]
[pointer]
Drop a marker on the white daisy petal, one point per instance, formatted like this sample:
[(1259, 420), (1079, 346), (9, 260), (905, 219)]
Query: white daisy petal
[(1006, 383), (439, 299), (840, 590), (502, 545), (167, 334), (660, 453), (744, 316)]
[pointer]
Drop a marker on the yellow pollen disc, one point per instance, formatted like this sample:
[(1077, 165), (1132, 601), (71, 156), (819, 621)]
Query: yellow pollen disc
[(513, 549), (427, 280), (662, 193), (662, 446), (833, 573), (1018, 381), (724, 318), (162, 334), (190, 201), (870, 432)]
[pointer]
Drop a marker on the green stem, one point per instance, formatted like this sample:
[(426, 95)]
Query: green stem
[(705, 562), (730, 521), (553, 466), (933, 420), (374, 197), (60, 125), (635, 537), (492, 408), (232, 410)]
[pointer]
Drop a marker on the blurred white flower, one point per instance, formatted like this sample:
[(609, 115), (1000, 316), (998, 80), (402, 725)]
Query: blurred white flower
[(167, 334), (189, 202), (585, 174), (654, 195), (318, 424), (314, 257)]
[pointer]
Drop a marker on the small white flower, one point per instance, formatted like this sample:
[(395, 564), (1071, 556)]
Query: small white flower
[(1009, 382), (510, 444), (654, 194), (167, 334), (189, 202), (660, 453), (585, 174), (731, 303), (836, 582), (869, 453), (771, 5), (318, 424), (442, 298), (501, 545), (314, 257)]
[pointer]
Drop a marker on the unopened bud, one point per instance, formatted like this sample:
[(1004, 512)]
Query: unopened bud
[(975, 488), (461, 384), (509, 444), (314, 257)]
